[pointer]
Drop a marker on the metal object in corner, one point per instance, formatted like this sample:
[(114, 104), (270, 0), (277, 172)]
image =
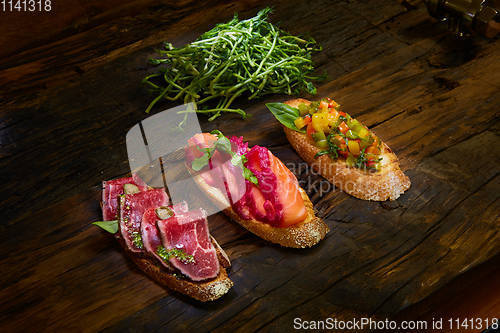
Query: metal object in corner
[(468, 16)]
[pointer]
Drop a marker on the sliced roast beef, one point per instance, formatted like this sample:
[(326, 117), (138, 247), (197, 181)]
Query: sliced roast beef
[(112, 189), (150, 234), (188, 232), (132, 208)]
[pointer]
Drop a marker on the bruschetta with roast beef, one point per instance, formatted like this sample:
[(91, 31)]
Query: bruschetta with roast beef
[(170, 243), (341, 149), (255, 189)]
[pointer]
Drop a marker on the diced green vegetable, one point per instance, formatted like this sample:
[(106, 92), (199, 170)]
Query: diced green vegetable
[(363, 133), (319, 136), (303, 109), (354, 125), (351, 135), (350, 161), (313, 107), (322, 144)]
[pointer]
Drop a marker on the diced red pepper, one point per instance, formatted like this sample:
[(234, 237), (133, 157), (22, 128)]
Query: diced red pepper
[(343, 127), (332, 103), (310, 130), (342, 113), (339, 139), (373, 149), (370, 164), (307, 119)]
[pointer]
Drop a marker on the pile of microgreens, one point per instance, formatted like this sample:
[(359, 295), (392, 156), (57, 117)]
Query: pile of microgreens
[(249, 58)]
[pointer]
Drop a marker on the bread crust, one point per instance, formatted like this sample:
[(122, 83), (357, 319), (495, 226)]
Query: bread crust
[(203, 291), (388, 183), (301, 235)]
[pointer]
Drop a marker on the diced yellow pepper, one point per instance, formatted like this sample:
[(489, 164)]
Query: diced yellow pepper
[(353, 147), (363, 133), (320, 122), (332, 118), (299, 122)]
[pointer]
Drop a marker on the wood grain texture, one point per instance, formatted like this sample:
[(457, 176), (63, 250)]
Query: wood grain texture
[(66, 105), (473, 292)]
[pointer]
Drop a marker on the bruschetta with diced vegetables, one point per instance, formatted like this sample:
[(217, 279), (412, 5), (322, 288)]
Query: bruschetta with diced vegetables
[(341, 149)]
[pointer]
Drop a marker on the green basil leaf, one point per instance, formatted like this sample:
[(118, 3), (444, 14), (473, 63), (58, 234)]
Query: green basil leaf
[(236, 160), (109, 226), (239, 161), (223, 144), (248, 174), (217, 132), (285, 114), (200, 162)]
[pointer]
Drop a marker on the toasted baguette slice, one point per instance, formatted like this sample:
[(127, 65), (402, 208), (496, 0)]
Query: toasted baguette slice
[(301, 235), (204, 291), (388, 183)]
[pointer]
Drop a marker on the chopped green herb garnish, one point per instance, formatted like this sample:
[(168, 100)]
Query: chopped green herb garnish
[(344, 119), (249, 58), (332, 150), (137, 240), (362, 160), (182, 256)]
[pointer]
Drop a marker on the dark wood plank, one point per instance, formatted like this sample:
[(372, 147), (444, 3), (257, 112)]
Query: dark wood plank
[(474, 292), (66, 106)]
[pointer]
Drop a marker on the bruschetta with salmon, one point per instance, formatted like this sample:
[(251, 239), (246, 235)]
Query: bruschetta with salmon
[(170, 243), (255, 189), (341, 149)]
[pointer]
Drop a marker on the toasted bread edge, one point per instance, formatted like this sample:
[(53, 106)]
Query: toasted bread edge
[(202, 291)]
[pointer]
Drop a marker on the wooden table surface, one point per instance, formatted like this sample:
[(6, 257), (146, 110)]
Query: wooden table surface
[(69, 95)]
